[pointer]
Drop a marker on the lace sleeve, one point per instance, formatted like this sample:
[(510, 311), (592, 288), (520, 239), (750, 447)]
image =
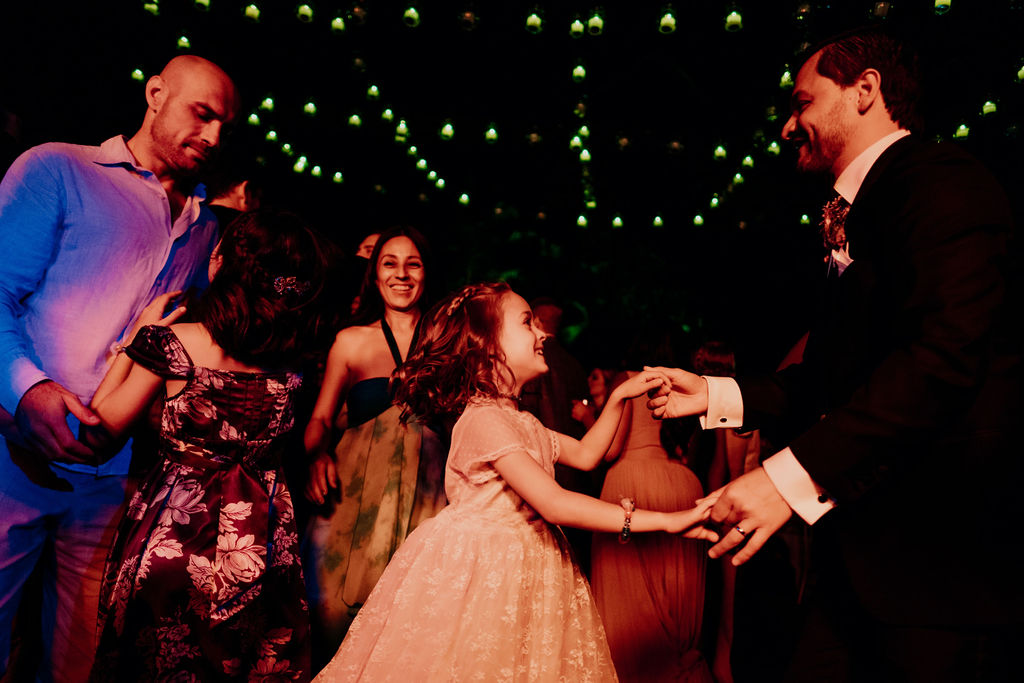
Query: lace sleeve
[(482, 435)]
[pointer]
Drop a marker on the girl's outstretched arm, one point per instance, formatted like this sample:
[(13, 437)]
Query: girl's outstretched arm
[(586, 453), (568, 508)]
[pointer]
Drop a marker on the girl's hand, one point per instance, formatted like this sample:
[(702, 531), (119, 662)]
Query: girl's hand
[(690, 523), (583, 412), (153, 314), (323, 476), (641, 383)]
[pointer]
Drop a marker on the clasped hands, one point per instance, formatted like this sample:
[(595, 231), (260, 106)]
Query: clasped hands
[(749, 509)]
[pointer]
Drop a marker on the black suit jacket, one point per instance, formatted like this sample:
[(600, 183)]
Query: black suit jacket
[(909, 394)]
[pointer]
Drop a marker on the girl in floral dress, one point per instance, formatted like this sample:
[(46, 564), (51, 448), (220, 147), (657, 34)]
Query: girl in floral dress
[(488, 590), (203, 581)]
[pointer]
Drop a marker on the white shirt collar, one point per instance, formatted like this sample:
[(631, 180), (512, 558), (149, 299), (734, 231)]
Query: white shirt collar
[(849, 181)]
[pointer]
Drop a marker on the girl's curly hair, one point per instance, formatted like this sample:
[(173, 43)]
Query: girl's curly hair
[(458, 355)]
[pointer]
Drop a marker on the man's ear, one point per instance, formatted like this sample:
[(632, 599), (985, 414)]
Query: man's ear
[(869, 90), (156, 92)]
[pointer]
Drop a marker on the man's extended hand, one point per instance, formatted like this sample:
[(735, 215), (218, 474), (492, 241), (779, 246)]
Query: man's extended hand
[(41, 419), (749, 509), (688, 395)]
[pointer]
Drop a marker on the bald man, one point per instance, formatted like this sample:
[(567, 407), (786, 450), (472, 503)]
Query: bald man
[(89, 236)]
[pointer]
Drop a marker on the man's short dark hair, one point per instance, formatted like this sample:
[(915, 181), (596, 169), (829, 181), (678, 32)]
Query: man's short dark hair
[(845, 57)]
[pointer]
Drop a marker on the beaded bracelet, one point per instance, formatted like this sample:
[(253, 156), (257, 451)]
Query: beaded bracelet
[(628, 506)]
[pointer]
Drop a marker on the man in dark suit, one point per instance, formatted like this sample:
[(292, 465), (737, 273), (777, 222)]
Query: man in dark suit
[(905, 402)]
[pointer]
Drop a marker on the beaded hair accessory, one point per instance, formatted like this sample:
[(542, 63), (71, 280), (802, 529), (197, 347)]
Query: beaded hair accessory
[(456, 302), (290, 285)]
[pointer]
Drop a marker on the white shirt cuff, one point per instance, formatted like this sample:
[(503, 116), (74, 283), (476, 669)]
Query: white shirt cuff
[(796, 486), (23, 376), (725, 404)]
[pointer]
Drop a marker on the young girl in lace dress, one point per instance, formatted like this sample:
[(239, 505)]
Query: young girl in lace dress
[(203, 581), (487, 589)]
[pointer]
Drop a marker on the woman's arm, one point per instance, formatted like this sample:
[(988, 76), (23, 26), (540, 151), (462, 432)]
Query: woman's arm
[(586, 453), (120, 406), (568, 508), (153, 314), (322, 473)]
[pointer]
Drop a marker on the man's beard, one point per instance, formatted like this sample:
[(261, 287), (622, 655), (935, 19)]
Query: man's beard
[(823, 151)]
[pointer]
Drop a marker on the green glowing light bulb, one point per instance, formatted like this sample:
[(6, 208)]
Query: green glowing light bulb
[(432, 175), (942, 6), (534, 23), (720, 152), (464, 199), (309, 108), (584, 155), (714, 202), (287, 149), (733, 21), (421, 164), (152, 7), (774, 148), (254, 119), (576, 142), (576, 28), (402, 128), (657, 222), (387, 115), (304, 12), (316, 171), (447, 131), (698, 220), (252, 12), (491, 134), (137, 75), (440, 183), (590, 204), (584, 132), (738, 179), (595, 24), (372, 93), (300, 165), (412, 151), (267, 104), (338, 24), (805, 219), (355, 120), (988, 108), (786, 81), (579, 73), (411, 17), (203, 5), (748, 161), (271, 136), (581, 221), (667, 24), (184, 43), (962, 131), (338, 178), (617, 221)]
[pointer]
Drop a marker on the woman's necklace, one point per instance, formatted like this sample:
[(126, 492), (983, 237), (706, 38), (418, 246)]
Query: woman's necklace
[(511, 397)]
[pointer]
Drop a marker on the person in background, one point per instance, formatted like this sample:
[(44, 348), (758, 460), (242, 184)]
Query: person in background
[(90, 236), (234, 188), (383, 477)]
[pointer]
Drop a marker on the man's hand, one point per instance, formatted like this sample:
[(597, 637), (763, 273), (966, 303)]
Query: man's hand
[(688, 394), (749, 509), (42, 423)]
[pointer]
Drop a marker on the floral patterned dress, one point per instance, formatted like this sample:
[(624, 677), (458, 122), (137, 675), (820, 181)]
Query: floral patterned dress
[(203, 581), (486, 590)]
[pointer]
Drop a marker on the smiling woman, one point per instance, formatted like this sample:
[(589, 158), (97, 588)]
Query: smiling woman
[(391, 473)]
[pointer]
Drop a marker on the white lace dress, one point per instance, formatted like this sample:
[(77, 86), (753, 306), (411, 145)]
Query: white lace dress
[(486, 590)]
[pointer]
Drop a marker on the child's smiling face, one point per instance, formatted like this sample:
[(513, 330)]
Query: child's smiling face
[(521, 340)]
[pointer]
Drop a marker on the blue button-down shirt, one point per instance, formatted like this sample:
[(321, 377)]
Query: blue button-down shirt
[(86, 241)]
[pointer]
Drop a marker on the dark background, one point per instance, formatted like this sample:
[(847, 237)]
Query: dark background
[(656, 106)]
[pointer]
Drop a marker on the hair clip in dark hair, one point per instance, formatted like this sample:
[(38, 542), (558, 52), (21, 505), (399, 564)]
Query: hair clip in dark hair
[(289, 285), (456, 302)]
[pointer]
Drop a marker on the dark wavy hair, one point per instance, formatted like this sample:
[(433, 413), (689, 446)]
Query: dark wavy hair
[(845, 57), (371, 305), (458, 355), (265, 304)]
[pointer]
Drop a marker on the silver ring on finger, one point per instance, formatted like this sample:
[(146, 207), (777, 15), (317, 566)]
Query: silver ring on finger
[(742, 532)]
